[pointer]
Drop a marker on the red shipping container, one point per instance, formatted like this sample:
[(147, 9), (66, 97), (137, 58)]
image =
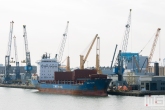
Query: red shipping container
[(63, 76), (102, 76), (83, 73)]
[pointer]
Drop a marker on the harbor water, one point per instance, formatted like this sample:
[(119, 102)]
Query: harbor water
[(31, 99)]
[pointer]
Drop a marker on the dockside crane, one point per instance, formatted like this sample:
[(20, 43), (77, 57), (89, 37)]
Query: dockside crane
[(61, 50), (28, 67), (17, 69), (82, 59), (119, 60), (7, 78), (153, 49)]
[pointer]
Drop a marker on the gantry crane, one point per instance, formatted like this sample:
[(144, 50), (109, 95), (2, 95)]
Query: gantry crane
[(7, 78), (17, 69), (153, 49), (28, 67), (82, 59), (61, 50)]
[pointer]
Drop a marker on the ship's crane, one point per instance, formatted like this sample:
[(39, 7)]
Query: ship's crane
[(7, 57), (17, 69), (82, 59), (61, 50), (153, 48), (28, 67), (98, 56)]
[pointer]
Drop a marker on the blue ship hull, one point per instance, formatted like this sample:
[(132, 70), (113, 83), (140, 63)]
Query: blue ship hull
[(95, 87)]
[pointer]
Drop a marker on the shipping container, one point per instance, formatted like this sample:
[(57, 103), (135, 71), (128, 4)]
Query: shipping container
[(100, 76), (77, 74), (63, 76)]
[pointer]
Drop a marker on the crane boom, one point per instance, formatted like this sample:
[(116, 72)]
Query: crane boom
[(63, 43), (113, 56), (90, 48), (82, 61), (25, 38), (10, 39), (153, 48), (126, 36)]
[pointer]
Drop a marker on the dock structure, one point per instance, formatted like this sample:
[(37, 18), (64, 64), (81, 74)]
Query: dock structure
[(18, 86), (136, 93)]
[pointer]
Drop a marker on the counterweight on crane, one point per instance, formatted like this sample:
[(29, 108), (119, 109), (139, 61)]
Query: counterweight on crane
[(28, 66), (17, 69), (7, 57), (82, 59), (61, 50), (153, 48)]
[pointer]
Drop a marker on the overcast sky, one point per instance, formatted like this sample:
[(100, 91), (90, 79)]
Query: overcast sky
[(46, 21)]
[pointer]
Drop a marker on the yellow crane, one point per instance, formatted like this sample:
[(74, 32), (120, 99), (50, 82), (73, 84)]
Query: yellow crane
[(98, 56), (153, 48), (68, 64), (82, 59)]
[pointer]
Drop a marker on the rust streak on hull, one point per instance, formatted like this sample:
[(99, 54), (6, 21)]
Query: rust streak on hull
[(75, 92)]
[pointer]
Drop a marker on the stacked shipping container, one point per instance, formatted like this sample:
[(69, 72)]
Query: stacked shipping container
[(63, 76), (95, 76), (78, 75)]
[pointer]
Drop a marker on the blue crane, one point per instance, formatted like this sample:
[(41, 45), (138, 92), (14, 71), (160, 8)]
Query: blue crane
[(60, 54), (28, 67), (17, 69), (7, 78), (119, 60)]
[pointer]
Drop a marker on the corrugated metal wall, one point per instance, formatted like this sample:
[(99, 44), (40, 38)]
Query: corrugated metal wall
[(161, 70)]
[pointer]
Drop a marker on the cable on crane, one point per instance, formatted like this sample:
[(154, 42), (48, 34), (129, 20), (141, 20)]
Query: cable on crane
[(147, 43)]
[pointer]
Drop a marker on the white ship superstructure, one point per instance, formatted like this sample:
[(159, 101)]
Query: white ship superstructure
[(46, 68)]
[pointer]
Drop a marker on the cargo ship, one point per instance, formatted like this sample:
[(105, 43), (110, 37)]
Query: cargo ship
[(51, 78)]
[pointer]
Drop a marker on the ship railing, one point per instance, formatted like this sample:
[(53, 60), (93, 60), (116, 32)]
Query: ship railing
[(77, 82)]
